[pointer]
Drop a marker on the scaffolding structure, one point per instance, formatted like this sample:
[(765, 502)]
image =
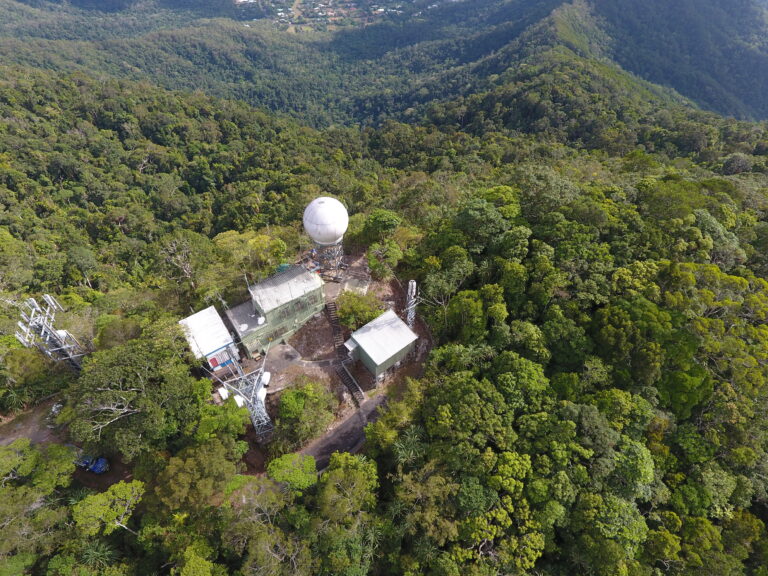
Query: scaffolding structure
[(250, 390), (37, 329), (330, 257), (326, 260)]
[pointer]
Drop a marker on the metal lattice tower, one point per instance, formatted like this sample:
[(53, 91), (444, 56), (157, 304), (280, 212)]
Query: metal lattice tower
[(329, 257), (251, 388), (36, 329), (410, 306)]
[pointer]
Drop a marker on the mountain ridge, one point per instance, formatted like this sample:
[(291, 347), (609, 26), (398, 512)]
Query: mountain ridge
[(716, 55), (396, 67)]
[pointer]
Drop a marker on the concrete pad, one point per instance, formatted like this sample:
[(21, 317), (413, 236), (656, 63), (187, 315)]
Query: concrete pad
[(279, 357), (357, 285)]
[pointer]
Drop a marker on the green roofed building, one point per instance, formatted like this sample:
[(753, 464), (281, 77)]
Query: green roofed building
[(381, 343), (279, 306)]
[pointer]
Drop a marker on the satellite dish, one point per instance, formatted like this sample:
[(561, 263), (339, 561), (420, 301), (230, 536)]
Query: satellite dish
[(326, 220)]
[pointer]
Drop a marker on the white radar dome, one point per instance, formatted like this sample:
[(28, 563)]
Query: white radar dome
[(326, 220)]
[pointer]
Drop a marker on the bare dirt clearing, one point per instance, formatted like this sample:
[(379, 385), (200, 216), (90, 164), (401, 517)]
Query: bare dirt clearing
[(30, 424), (314, 341)]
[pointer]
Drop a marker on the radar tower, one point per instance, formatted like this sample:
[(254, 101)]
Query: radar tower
[(326, 220)]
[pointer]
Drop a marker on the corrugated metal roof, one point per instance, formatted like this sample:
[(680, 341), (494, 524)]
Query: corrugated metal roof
[(284, 287), (206, 332), (350, 345), (243, 319), (384, 337)]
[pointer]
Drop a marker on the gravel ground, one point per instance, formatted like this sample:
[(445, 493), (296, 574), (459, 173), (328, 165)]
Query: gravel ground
[(30, 424)]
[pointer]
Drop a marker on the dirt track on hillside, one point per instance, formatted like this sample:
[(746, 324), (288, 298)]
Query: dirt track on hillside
[(29, 424), (347, 436)]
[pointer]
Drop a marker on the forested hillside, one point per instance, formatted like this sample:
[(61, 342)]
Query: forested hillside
[(591, 252), (353, 74), (714, 53), (396, 65), (593, 273)]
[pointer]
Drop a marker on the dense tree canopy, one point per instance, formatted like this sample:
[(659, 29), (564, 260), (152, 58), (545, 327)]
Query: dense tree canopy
[(592, 268)]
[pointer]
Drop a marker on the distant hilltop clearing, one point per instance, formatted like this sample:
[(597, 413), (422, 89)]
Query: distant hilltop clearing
[(333, 62), (327, 12)]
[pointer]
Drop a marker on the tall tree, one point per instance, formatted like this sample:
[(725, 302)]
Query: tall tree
[(137, 396)]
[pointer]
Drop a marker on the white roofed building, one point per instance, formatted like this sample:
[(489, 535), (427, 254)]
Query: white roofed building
[(209, 338), (279, 306), (283, 288), (382, 343)]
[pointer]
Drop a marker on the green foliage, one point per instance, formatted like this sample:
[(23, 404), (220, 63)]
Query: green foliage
[(347, 488), (481, 222), (383, 258), (115, 331), (195, 477), (33, 521), (265, 532), (109, 510), (194, 565), (225, 421), (591, 261), (138, 395), (304, 412), (356, 310), (346, 496), (25, 377), (296, 470), (380, 225), (701, 78)]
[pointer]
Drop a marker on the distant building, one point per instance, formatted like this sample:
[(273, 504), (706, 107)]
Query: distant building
[(209, 338), (279, 306), (381, 343)]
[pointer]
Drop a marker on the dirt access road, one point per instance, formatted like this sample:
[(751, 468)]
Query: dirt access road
[(347, 436), (29, 424)]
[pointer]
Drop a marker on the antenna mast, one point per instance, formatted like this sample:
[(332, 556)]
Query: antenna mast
[(410, 306), (36, 329), (251, 388)]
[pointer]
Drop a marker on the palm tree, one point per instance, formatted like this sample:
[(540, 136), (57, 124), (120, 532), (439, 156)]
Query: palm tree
[(77, 494), (98, 554)]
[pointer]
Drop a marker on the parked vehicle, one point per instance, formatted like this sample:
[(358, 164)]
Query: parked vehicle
[(95, 464)]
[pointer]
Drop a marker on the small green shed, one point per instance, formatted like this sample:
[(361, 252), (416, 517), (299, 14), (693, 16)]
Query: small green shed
[(381, 343)]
